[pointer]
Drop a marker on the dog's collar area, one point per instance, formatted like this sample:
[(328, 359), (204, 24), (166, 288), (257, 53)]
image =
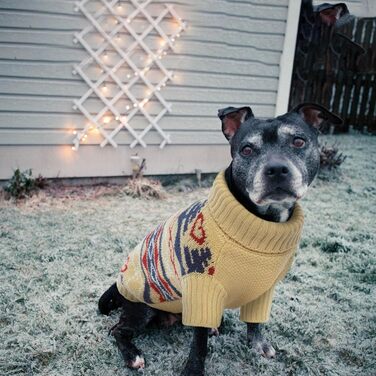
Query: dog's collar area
[(249, 230)]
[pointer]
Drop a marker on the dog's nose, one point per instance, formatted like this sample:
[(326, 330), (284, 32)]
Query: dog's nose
[(277, 170)]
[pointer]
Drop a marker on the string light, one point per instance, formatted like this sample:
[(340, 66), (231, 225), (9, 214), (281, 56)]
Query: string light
[(106, 119)]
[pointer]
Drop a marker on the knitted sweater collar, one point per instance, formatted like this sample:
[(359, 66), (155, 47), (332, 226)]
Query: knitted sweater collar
[(249, 230)]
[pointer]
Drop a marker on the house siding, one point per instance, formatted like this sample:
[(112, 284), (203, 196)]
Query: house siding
[(229, 55)]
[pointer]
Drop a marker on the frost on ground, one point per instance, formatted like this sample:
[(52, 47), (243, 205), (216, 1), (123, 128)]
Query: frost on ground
[(58, 255)]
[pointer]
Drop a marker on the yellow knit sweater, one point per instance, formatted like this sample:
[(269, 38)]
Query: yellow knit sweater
[(213, 255)]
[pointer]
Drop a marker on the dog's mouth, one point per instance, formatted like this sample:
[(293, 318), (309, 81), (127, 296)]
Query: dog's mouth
[(278, 194)]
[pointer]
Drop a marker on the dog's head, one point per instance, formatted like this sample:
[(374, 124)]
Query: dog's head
[(274, 160)]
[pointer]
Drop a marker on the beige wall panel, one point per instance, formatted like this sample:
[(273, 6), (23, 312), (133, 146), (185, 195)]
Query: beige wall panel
[(229, 55), (62, 161)]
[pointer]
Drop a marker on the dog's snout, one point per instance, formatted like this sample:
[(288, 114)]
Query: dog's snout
[(277, 170)]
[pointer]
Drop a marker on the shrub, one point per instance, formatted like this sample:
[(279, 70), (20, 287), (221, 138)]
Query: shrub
[(22, 184), (330, 158)]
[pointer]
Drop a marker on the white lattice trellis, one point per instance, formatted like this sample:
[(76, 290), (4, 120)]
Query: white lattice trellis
[(127, 17)]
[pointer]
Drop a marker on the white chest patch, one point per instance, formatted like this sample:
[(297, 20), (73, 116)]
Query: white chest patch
[(284, 216)]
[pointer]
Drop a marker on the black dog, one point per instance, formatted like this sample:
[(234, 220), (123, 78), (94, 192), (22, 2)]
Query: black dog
[(273, 163)]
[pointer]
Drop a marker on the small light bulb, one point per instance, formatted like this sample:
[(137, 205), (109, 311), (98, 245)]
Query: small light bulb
[(128, 75), (117, 118), (74, 148), (127, 107), (74, 132)]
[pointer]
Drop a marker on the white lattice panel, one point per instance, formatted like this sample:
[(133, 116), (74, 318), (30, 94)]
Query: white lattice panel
[(124, 70)]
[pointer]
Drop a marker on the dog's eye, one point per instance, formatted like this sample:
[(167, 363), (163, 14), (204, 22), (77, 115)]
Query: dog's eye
[(298, 142), (246, 150)]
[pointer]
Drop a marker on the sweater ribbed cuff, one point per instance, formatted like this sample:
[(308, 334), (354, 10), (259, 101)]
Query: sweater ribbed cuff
[(203, 301), (258, 310)]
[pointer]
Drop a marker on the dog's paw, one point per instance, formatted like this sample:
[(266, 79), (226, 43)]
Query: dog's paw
[(213, 332), (264, 348), (137, 363)]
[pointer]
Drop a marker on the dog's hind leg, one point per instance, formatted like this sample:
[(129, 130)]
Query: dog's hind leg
[(134, 317)]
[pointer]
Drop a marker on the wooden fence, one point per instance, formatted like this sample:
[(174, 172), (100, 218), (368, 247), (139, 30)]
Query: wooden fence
[(336, 67)]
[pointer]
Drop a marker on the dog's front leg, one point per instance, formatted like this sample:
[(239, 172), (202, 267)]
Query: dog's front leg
[(199, 347), (258, 342)]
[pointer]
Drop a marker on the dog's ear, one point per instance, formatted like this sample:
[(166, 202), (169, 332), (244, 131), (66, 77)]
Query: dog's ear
[(314, 114), (232, 118)]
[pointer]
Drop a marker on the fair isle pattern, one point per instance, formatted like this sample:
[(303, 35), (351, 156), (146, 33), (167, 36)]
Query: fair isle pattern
[(153, 268), (172, 250)]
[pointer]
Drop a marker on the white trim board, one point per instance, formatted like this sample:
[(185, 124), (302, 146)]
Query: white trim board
[(287, 58)]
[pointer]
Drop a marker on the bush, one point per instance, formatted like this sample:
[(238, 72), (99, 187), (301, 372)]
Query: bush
[(22, 184), (330, 158)]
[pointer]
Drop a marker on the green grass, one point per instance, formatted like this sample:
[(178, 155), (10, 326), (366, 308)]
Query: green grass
[(58, 255)]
